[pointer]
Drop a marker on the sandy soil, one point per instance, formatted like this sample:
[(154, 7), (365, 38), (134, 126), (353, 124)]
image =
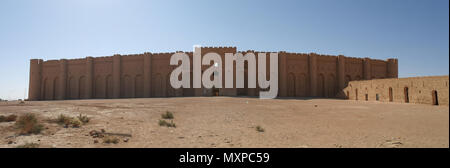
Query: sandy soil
[(231, 122)]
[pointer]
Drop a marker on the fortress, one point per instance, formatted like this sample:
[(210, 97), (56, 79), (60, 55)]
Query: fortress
[(147, 75)]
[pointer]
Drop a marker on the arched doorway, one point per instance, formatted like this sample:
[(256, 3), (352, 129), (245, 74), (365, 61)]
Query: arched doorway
[(82, 88), (56, 89), (109, 87), (406, 92), (434, 95), (139, 86), (391, 95), (331, 86), (126, 87), (291, 85), (157, 86), (73, 88), (99, 89), (48, 90), (302, 85), (321, 86)]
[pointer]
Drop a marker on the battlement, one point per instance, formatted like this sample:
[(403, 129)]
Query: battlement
[(165, 53), (220, 47), (320, 56), (51, 62)]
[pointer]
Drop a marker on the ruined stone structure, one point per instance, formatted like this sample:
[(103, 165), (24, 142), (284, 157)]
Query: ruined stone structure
[(424, 90), (147, 75)]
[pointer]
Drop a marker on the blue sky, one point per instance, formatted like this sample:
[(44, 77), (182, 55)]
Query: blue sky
[(414, 31)]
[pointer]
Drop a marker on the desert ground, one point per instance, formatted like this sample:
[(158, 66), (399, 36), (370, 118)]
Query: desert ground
[(232, 122)]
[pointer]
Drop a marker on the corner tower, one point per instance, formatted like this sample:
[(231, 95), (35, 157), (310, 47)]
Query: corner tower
[(34, 90)]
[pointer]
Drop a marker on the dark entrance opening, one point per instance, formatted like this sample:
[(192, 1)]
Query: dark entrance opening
[(367, 97), (356, 94), (406, 95), (391, 95), (434, 94), (215, 91)]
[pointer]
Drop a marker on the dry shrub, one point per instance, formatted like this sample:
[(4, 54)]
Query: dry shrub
[(110, 139), (75, 122), (96, 134), (9, 118), (28, 145), (167, 115), (28, 124), (167, 124), (259, 129), (63, 119), (83, 119)]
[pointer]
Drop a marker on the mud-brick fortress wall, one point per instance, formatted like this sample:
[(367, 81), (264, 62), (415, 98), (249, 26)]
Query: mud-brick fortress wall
[(423, 90), (147, 75)]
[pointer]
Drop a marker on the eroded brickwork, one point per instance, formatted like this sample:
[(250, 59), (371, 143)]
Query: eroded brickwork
[(147, 75)]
